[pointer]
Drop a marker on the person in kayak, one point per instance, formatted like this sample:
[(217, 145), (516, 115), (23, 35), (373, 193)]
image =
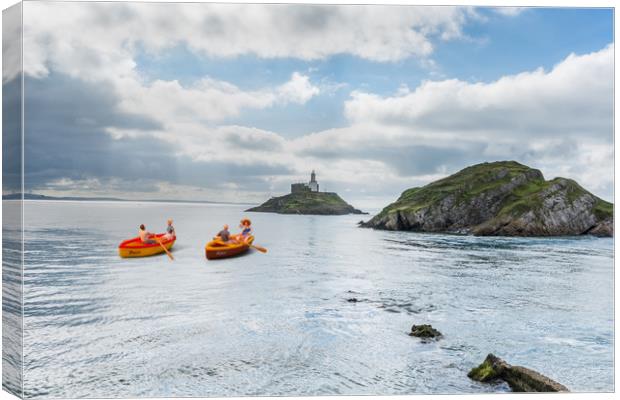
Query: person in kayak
[(145, 236), (224, 234), (246, 230), (170, 232)]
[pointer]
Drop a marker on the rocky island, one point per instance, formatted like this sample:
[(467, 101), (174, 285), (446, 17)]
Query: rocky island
[(305, 198), (502, 198)]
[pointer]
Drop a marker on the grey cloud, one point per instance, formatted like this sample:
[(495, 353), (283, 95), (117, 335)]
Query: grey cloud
[(563, 149), (409, 160), (59, 98), (421, 160), (250, 142), (499, 120), (310, 17), (65, 134), (213, 25), (210, 174), (11, 135), (109, 15), (65, 138)]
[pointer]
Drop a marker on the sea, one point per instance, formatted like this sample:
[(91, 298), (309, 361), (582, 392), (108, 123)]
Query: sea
[(326, 311)]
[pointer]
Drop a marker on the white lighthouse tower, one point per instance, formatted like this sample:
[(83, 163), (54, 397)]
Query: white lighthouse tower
[(313, 184)]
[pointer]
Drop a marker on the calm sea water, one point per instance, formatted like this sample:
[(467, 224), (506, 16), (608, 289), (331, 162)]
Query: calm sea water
[(280, 323)]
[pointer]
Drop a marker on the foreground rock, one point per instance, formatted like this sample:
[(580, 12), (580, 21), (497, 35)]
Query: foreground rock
[(314, 203), (425, 332), (499, 199), (520, 379)]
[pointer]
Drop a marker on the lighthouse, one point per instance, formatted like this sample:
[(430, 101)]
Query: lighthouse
[(313, 184)]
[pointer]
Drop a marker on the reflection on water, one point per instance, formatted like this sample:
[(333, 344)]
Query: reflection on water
[(281, 323), (12, 297)]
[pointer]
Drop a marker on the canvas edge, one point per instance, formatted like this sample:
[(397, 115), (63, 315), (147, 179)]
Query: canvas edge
[(12, 208)]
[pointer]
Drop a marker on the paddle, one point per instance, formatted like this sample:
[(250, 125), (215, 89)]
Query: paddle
[(164, 247), (261, 249)]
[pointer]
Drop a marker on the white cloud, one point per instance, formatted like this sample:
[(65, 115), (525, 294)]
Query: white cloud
[(208, 99), (509, 11), (559, 120), (298, 89), (95, 39), (570, 106), (574, 98), (97, 42)]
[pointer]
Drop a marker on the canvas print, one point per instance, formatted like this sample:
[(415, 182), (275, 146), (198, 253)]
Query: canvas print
[(217, 199)]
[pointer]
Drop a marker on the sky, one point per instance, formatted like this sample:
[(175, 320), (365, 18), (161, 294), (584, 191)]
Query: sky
[(233, 102)]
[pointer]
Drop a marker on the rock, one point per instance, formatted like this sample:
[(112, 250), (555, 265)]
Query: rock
[(485, 372), (520, 379), (498, 199), (603, 229), (352, 300), (313, 203), (425, 331)]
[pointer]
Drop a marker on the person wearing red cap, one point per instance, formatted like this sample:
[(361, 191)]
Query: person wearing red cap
[(246, 230)]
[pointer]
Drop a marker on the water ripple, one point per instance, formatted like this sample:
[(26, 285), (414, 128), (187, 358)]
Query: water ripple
[(285, 322)]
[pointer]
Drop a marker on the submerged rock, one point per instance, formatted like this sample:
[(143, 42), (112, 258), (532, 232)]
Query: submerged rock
[(520, 379), (425, 332), (498, 199)]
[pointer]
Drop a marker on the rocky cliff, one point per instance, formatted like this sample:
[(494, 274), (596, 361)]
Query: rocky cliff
[(500, 198), (317, 203)]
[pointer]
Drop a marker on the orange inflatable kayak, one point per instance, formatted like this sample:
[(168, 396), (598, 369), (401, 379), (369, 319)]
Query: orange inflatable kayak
[(135, 248), (218, 249)]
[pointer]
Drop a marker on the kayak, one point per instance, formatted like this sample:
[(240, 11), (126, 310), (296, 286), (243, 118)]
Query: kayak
[(218, 249), (135, 248)]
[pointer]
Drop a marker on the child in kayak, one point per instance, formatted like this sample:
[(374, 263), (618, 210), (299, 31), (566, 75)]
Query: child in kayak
[(170, 232), (246, 230), (145, 236), (224, 234)]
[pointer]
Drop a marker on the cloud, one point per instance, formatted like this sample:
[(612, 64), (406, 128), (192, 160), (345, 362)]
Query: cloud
[(11, 42), (509, 11), (11, 137), (65, 134), (85, 94), (574, 98), (83, 38), (298, 90), (69, 147), (208, 99), (557, 120), (239, 137), (95, 43)]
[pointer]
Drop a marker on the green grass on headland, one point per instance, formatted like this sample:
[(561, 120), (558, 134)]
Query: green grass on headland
[(509, 188)]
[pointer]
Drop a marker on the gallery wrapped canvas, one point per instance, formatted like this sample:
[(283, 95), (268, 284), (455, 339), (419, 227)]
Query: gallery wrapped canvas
[(219, 199)]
